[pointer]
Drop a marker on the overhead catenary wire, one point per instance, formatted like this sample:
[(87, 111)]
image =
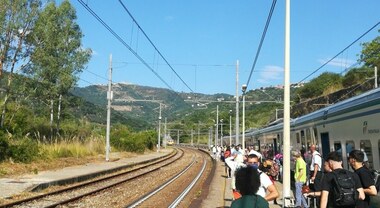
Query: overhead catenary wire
[(262, 40), (97, 75), (122, 41), (155, 48), (356, 40), (343, 96)]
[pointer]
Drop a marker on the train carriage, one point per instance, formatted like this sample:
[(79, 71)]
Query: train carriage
[(347, 125), (350, 124)]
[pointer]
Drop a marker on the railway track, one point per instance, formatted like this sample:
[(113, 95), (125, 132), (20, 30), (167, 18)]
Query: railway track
[(80, 190), (164, 183), (180, 189)]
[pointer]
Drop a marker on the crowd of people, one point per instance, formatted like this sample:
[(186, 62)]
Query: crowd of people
[(253, 177)]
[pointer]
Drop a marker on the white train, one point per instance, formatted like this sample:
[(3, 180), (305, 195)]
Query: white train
[(350, 124)]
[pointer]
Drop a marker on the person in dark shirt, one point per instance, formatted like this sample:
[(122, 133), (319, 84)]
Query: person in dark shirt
[(248, 183), (335, 162), (355, 159)]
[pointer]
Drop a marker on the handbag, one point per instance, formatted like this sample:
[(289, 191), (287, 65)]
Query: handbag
[(305, 189)]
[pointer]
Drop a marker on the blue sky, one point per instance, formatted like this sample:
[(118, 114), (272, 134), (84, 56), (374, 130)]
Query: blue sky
[(203, 39)]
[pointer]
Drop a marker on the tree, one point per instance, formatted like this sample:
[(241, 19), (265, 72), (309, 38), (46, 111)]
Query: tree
[(317, 86), (57, 57), (371, 53), (357, 76), (17, 17)]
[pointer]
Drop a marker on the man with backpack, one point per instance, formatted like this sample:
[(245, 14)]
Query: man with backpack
[(366, 178), (341, 186)]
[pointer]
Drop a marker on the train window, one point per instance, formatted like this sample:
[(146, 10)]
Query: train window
[(308, 134), (298, 138), (365, 146), (316, 136), (338, 147), (350, 145), (308, 138)]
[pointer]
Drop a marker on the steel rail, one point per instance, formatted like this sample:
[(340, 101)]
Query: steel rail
[(78, 186), (186, 191), (147, 196)]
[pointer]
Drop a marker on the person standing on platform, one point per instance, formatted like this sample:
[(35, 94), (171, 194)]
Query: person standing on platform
[(214, 152), (235, 161), (356, 158), (326, 169), (340, 186), (300, 179), (253, 151), (227, 154), (316, 167), (247, 184), (265, 183)]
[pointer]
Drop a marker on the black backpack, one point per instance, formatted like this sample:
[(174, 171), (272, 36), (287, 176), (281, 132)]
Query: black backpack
[(344, 190)]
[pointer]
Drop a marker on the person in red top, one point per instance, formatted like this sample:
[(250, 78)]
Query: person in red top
[(227, 153)]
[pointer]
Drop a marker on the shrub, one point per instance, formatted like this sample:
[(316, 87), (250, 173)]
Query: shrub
[(4, 146), (24, 150)]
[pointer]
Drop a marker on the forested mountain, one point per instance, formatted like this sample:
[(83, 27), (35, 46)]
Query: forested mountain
[(141, 103)]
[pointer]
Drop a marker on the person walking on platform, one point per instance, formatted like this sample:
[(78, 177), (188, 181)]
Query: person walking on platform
[(253, 151), (235, 161), (265, 182), (340, 186), (300, 179), (356, 158), (326, 169), (227, 154), (248, 183), (214, 152), (315, 171)]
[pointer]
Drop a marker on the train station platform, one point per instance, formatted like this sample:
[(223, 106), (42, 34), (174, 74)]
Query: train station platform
[(14, 186), (220, 191)]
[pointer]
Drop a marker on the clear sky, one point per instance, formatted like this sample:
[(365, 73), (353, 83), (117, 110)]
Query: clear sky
[(203, 39)]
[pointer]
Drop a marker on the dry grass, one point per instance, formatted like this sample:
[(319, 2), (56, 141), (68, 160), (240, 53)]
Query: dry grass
[(60, 155), (14, 170)]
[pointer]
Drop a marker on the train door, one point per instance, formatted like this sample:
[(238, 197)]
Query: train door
[(277, 144), (325, 140), (275, 151)]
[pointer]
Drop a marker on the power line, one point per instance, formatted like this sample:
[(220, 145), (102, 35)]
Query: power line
[(97, 75), (122, 41), (262, 39), (323, 65), (343, 96), (134, 20)]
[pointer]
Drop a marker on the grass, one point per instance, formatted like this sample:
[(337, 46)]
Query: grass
[(73, 148), (57, 155)]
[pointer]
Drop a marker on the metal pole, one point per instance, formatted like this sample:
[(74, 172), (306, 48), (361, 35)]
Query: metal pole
[(286, 136), (109, 98), (165, 134), (276, 115), (243, 128), (375, 76), (198, 133), (237, 104), (192, 144), (177, 136), (159, 131), (217, 125), (221, 132), (212, 129), (230, 128), (209, 137)]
